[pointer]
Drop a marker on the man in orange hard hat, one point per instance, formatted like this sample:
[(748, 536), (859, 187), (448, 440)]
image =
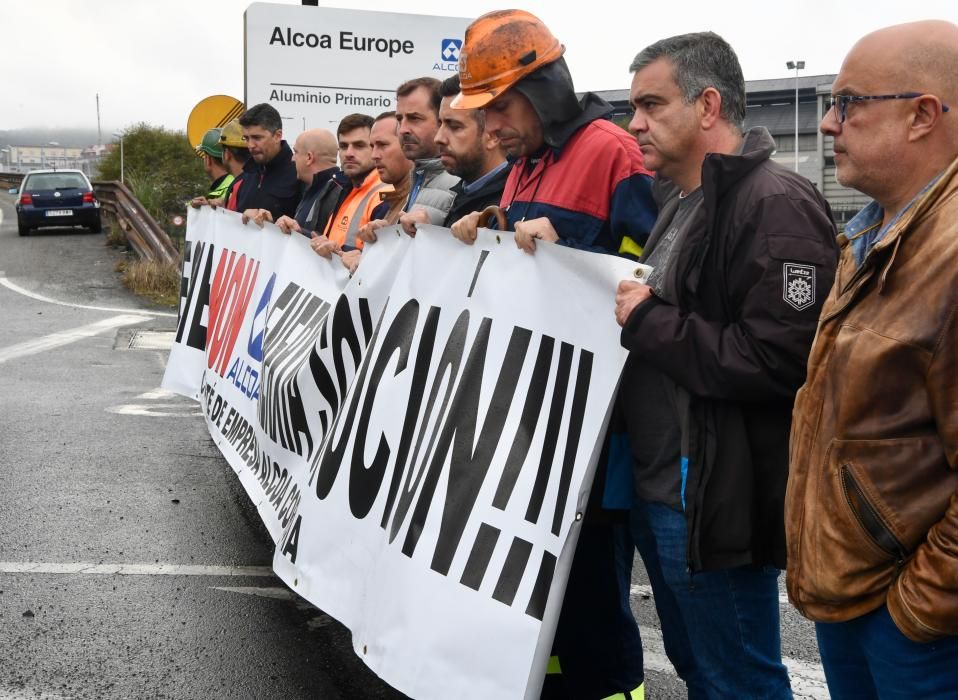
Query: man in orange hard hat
[(577, 180)]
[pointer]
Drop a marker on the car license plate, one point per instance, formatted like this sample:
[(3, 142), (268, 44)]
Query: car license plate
[(59, 212)]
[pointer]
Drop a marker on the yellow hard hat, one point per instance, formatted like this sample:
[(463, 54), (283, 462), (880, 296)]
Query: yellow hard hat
[(232, 135)]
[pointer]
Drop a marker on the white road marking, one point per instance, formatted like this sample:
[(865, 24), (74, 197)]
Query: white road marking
[(39, 297), (280, 593), (77, 568), (275, 592), (61, 338), (159, 410), (808, 680), (158, 393), (186, 408), (152, 340)]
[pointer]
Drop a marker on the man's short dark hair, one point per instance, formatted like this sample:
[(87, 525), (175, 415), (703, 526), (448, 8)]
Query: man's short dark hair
[(699, 61), (239, 154), (384, 115), (450, 88), (352, 122), (262, 115), (432, 87)]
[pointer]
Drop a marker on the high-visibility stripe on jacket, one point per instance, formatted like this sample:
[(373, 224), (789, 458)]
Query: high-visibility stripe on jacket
[(355, 211), (220, 186)]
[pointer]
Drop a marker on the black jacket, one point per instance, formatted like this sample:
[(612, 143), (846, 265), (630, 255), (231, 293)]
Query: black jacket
[(320, 200), (753, 274), (466, 203), (273, 186)]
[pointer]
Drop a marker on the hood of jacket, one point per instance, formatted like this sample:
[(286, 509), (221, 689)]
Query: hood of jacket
[(722, 170), (552, 94)]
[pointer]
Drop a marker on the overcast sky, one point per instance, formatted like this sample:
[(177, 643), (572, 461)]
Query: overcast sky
[(153, 61)]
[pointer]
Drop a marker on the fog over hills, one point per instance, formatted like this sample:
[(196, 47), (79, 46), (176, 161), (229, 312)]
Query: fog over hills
[(79, 138)]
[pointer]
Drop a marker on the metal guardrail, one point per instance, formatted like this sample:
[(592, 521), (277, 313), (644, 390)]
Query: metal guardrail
[(8, 180), (144, 235), (142, 232)]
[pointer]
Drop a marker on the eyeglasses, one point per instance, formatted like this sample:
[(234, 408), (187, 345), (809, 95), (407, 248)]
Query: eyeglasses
[(840, 102)]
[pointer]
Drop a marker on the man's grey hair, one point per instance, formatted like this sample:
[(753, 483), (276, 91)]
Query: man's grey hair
[(699, 61)]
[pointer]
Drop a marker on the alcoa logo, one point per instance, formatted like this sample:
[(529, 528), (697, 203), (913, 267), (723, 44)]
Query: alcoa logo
[(451, 49), (449, 55)]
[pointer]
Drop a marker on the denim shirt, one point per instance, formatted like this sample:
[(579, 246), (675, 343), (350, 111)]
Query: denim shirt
[(870, 218), (477, 184)]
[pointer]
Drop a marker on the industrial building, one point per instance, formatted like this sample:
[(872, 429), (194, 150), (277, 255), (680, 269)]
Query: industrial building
[(771, 103)]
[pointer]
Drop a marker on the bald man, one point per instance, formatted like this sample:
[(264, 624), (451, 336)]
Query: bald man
[(872, 503), (314, 155)]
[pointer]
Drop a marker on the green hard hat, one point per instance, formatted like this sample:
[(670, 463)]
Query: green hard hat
[(211, 144)]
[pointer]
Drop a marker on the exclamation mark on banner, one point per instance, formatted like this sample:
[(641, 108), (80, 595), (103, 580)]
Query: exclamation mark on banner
[(475, 278)]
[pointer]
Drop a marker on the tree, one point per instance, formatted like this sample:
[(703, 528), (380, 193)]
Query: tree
[(160, 167)]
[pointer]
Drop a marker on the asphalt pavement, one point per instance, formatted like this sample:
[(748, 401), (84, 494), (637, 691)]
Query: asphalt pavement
[(132, 564)]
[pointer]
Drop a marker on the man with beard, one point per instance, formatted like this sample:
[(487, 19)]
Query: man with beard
[(470, 152), (417, 112), (577, 180)]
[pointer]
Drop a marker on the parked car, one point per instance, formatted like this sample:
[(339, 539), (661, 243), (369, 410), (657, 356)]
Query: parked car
[(56, 198)]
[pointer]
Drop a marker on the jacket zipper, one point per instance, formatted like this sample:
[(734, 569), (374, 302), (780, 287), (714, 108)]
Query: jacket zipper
[(869, 519)]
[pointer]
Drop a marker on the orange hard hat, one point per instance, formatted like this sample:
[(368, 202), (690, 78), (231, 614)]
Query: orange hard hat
[(499, 50)]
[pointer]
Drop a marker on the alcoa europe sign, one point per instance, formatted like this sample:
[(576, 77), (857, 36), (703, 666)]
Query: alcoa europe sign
[(318, 64)]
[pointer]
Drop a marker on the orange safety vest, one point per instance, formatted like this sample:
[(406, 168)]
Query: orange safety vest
[(356, 211)]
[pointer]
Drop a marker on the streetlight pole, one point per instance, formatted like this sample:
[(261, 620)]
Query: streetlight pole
[(120, 136), (796, 66)]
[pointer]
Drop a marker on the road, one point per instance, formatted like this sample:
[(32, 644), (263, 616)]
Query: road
[(132, 565)]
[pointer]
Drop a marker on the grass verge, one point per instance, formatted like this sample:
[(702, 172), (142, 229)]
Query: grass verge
[(156, 281)]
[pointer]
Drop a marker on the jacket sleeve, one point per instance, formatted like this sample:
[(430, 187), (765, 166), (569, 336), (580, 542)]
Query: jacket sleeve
[(923, 601), (632, 214), (780, 269)]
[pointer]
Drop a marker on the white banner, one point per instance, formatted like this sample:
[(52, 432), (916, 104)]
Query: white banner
[(315, 65), (419, 439)]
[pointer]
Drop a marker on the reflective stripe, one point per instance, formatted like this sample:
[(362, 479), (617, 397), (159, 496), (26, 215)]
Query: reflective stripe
[(637, 694), (629, 246), (554, 666), (220, 191), (353, 229)]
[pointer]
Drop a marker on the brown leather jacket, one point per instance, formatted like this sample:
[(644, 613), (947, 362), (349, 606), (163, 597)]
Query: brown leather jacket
[(871, 509)]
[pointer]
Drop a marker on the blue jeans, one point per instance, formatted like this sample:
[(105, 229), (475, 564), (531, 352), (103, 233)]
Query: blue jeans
[(869, 658), (720, 628)]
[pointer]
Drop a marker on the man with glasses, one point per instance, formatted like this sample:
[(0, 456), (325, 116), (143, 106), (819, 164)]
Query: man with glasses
[(872, 504)]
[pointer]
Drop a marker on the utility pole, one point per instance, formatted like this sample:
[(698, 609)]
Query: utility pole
[(796, 66)]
